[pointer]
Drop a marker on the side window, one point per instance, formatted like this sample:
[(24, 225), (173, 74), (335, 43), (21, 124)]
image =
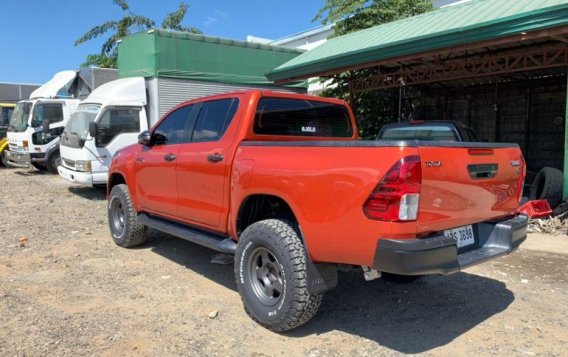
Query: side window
[(214, 118), (172, 129), (53, 112), (117, 121)]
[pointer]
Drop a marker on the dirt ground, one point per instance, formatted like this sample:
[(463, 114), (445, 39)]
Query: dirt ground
[(66, 289)]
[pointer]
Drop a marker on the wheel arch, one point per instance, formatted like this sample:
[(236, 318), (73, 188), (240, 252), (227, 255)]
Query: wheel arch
[(258, 207)]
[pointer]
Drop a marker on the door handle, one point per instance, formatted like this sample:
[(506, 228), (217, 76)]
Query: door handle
[(216, 157), (170, 157)]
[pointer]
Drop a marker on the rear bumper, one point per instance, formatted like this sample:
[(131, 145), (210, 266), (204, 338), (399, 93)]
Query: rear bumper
[(439, 254)]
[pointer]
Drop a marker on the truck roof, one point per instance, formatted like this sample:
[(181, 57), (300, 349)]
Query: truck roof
[(120, 91)]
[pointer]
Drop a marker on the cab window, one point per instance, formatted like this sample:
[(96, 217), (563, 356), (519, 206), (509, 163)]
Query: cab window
[(117, 121), (172, 130), (213, 119), (52, 112)]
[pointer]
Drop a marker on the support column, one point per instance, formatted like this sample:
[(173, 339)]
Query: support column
[(566, 145)]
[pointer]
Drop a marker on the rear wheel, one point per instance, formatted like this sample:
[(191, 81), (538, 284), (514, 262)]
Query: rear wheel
[(53, 161), (270, 270), (124, 228)]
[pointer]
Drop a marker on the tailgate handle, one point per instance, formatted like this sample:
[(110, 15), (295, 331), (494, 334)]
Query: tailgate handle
[(482, 171)]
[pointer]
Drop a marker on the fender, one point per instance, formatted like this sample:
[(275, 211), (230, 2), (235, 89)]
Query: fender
[(51, 150), (3, 145)]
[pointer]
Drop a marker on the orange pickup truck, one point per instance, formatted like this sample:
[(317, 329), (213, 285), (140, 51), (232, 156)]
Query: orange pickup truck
[(283, 182)]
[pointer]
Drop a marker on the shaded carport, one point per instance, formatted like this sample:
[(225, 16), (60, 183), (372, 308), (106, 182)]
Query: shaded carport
[(497, 66)]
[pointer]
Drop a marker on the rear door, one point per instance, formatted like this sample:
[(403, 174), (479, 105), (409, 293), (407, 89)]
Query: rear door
[(155, 165), (463, 184), (204, 164)]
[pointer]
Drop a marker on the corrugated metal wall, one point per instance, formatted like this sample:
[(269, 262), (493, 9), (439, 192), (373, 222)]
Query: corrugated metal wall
[(172, 91), (14, 92), (530, 113)]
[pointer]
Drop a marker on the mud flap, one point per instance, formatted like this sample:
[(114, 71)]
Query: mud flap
[(321, 277)]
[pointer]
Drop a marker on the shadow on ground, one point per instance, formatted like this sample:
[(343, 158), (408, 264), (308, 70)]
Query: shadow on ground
[(90, 193), (411, 318), (32, 172)]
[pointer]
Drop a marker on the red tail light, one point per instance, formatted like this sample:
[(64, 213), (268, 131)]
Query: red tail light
[(397, 196)]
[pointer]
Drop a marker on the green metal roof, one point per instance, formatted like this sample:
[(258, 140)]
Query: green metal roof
[(160, 53), (474, 21)]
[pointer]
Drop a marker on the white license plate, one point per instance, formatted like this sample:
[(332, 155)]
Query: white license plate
[(463, 235)]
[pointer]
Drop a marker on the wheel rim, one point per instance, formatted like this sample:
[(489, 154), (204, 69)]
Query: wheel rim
[(56, 161), (117, 215), (266, 276)]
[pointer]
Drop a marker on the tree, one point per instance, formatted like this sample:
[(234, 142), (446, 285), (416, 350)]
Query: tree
[(130, 22), (372, 109)]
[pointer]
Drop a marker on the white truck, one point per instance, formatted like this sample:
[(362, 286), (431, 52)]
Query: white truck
[(36, 123), (115, 113)]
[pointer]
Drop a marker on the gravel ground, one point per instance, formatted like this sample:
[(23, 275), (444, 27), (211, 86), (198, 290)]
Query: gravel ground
[(66, 289)]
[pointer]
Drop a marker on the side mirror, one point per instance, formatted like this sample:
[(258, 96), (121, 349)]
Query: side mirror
[(145, 138), (45, 126), (93, 129)]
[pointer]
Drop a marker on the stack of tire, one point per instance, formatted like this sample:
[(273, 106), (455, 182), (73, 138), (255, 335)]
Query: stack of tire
[(549, 185)]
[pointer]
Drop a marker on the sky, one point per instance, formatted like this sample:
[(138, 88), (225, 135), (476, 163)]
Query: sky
[(37, 36)]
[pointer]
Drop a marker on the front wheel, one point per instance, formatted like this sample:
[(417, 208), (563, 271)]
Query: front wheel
[(4, 158), (271, 276), (124, 228), (53, 161)]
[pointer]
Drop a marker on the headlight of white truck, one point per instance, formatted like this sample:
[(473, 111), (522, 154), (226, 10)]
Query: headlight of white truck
[(83, 166)]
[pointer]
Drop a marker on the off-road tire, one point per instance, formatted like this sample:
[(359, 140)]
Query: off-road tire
[(294, 306), (53, 161), (400, 279), (548, 185), (126, 231), (561, 210)]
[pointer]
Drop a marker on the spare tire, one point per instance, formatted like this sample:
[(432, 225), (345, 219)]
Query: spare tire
[(561, 210), (548, 185)]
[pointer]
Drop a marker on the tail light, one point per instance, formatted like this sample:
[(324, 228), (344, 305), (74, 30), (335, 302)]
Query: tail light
[(521, 182), (397, 196)]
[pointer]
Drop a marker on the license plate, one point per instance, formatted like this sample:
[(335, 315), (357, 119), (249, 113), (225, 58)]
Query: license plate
[(463, 235)]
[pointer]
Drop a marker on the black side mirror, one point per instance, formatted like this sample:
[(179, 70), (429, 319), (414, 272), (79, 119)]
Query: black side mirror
[(93, 129), (145, 138), (45, 126)]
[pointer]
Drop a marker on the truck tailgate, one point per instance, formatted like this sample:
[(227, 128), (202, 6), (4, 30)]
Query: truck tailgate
[(468, 183)]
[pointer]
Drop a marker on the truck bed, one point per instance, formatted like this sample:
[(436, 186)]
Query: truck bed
[(326, 183)]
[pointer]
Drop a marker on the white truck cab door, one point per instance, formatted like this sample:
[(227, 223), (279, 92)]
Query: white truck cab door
[(117, 128)]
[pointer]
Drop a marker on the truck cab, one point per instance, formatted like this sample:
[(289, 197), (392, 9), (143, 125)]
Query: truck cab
[(6, 110), (37, 123), (106, 121)]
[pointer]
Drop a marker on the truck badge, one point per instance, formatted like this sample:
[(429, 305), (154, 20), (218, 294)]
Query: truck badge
[(433, 164)]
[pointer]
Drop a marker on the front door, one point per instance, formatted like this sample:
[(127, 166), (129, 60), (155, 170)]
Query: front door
[(204, 165), (156, 164), (118, 127)]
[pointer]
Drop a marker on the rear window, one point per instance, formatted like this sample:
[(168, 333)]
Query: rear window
[(296, 117), (422, 132)]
